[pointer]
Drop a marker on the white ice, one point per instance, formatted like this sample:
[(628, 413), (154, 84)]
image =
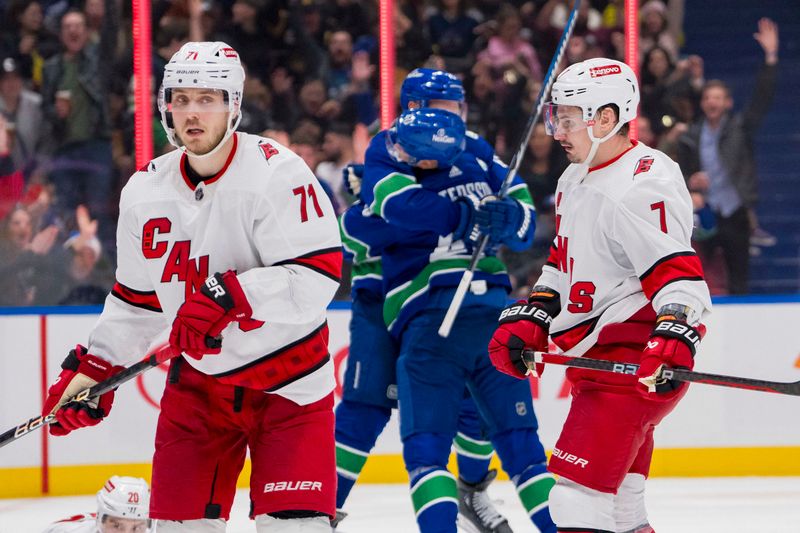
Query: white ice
[(706, 505)]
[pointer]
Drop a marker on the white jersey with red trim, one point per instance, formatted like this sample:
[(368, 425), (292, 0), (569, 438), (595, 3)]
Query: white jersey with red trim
[(622, 244), (82, 523), (265, 216)]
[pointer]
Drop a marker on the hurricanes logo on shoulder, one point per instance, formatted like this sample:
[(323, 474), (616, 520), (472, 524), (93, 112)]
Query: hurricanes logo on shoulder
[(268, 150), (643, 165)]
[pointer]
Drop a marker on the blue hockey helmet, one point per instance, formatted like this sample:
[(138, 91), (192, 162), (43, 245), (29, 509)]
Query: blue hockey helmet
[(425, 84), (427, 134)]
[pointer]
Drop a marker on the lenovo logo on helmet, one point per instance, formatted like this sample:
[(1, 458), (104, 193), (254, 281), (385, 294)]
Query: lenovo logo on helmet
[(605, 70), (229, 52)]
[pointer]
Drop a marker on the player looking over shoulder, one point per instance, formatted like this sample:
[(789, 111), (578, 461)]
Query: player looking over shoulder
[(122, 507), (622, 283), (231, 244)]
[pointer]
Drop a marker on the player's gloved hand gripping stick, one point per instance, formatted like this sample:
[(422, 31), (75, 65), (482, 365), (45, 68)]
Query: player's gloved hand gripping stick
[(532, 359), (93, 393), (549, 78)]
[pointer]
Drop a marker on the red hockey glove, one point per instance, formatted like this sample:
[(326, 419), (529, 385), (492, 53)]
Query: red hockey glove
[(204, 315), (673, 343), (524, 325), (80, 371)]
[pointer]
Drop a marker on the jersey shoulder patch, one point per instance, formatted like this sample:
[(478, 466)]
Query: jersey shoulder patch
[(268, 150), (644, 164)]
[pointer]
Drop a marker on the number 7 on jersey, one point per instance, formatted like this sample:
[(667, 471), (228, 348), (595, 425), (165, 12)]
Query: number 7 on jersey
[(662, 214)]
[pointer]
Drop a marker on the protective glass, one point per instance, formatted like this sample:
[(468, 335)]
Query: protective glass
[(563, 119)]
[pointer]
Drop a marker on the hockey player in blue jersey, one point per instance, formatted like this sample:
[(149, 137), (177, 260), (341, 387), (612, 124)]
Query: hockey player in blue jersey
[(420, 179), (370, 390)]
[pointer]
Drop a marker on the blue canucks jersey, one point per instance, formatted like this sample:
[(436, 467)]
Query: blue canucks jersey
[(364, 237), (420, 205)]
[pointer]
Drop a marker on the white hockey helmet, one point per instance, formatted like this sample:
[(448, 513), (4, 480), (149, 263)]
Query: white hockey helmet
[(597, 82), (123, 497), (207, 65)]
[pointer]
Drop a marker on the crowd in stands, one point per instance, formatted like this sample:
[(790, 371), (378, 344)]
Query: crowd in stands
[(66, 111)]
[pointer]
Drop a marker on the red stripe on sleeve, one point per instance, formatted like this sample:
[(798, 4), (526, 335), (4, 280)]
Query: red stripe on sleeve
[(676, 267), (327, 262), (552, 259), (143, 299)]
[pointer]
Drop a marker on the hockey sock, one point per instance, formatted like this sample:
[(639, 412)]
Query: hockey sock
[(435, 499), (434, 493), (473, 451), (525, 462), (358, 426), (533, 487), (473, 457)]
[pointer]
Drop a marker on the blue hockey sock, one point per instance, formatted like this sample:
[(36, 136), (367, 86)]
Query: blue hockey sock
[(473, 450), (358, 426), (434, 494), (435, 499), (533, 487), (526, 464), (473, 457)]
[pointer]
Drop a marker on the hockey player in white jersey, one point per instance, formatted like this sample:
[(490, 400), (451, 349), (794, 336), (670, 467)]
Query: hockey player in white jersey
[(122, 507), (622, 283), (231, 244)]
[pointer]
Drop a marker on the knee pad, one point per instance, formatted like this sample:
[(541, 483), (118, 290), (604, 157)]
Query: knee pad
[(426, 451), (630, 513), (270, 524), (575, 506), (204, 525)]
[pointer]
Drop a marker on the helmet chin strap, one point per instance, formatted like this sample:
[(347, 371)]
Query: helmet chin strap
[(597, 142)]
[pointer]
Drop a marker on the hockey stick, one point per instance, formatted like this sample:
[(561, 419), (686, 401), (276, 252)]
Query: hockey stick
[(530, 358), (156, 358), (549, 78)]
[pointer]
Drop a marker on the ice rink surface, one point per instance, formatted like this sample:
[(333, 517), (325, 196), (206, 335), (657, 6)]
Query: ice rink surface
[(718, 505)]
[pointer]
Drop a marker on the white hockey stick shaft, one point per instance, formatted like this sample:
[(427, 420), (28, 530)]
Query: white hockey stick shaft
[(549, 78)]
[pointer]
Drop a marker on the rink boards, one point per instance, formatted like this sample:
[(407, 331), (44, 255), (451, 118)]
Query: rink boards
[(714, 431)]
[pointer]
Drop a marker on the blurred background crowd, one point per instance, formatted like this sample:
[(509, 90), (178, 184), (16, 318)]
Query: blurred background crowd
[(66, 113)]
